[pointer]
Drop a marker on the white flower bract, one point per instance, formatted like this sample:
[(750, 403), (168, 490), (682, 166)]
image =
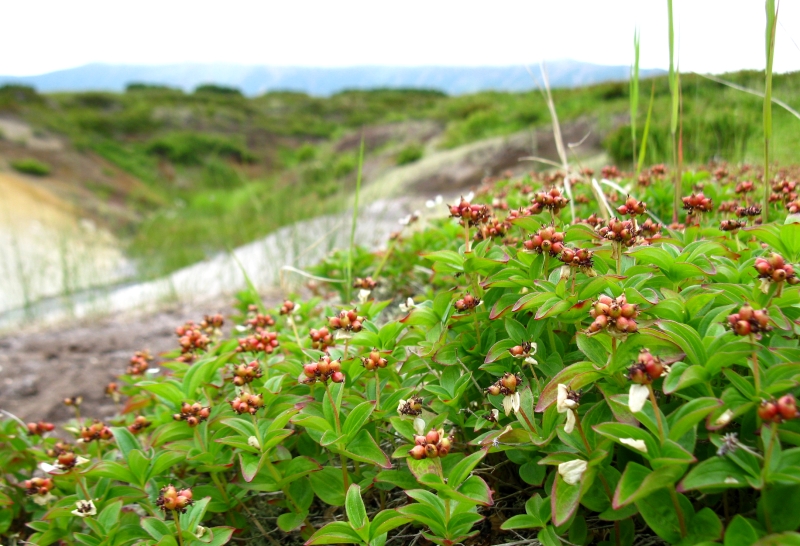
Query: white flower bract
[(419, 426), (637, 396), (84, 508), (363, 294), (565, 405), (724, 419), (572, 471), (638, 445), (407, 306), (511, 403)]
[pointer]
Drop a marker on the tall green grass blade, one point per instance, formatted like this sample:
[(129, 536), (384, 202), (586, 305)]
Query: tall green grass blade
[(674, 89), (251, 287), (349, 276), (772, 21), (755, 92), (634, 91), (645, 134)]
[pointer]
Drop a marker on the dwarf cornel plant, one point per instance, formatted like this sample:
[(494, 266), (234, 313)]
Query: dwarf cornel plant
[(507, 374)]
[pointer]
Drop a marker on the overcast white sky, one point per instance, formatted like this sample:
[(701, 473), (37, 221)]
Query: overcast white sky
[(714, 35)]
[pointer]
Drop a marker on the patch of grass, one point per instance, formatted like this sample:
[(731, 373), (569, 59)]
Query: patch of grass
[(186, 148), (31, 166), (410, 154)]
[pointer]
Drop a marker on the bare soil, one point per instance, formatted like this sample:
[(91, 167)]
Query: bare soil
[(38, 369)]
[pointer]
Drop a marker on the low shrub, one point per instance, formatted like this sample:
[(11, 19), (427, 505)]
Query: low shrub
[(410, 154), (512, 372), (31, 166), (193, 148)]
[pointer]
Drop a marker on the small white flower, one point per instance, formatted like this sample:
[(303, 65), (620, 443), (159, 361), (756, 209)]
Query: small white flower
[(419, 426), (724, 419), (431, 203), (47, 467), (530, 360), (199, 531), (637, 396), (765, 285), (401, 405), (495, 414), (152, 371), (635, 444), (252, 441), (572, 471), (84, 508), (731, 480), (511, 403), (564, 404), (81, 460), (569, 426), (41, 500), (362, 296), (407, 306), (342, 334)]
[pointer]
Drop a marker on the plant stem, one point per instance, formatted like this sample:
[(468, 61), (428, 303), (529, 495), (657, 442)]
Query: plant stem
[(531, 422), (546, 267), (580, 430), (349, 273), (177, 519), (467, 246), (342, 458), (617, 251), (657, 412), (756, 369), (676, 503), (384, 259), (767, 460)]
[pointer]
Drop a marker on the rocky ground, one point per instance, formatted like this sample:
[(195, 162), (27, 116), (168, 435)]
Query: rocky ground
[(39, 368)]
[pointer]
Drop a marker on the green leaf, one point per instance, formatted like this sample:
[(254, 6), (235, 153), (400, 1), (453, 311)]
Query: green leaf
[(576, 376), (714, 474), (125, 440), (593, 349), (386, 520), (328, 485), (520, 521), (168, 390), (139, 465), (475, 490), (689, 414), (336, 532), (459, 473), (564, 499), (781, 501), (357, 418), (740, 532), (638, 481), (155, 527), (499, 350), (659, 513), (780, 539), (549, 536), (109, 517), (354, 506), (687, 339), (516, 331), (363, 448), (447, 261), (683, 376), (289, 521), (704, 526)]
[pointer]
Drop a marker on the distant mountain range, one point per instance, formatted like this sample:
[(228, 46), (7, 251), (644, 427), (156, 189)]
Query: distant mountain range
[(255, 80)]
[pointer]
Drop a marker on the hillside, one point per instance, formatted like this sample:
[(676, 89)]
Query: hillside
[(255, 80), (178, 177)]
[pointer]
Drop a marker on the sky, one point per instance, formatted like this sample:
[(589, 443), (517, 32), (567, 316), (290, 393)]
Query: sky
[(713, 36)]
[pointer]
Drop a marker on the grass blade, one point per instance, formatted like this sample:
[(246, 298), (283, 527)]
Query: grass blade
[(643, 149), (772, 21), (349, 276), (634, 91)]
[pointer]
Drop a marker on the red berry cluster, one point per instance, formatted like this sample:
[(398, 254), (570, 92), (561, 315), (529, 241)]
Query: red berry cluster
[(473, 215), (776, 269), (728, 206), (431, 445), (59, 448), (505, 385), (492, 229), (367, 283), (696, 203), (577, 257), (749, 321), (321, 339), (96, 431), (112, 390), (246, 373), (615, 314), (646, 369), (745, 186), (138, 425), (785, 190), (37, 429), (632, 207), (259, 321), (259, 342), (550, 200), (322, 370), (593, 220), (38, 486), (212, 324), (720, 173), (620, 231), (66, 459), (374, 360), (191, 339), (466, 303), (793, 206), (247, 403), (287, 307), (139, 363), (777, 411), (75, 401), (547, 239), (610, 171), (412, 406), (732, 225), (347, 320), (522, 350), (747, 212), (650, 229), (170, 499), (193, 414)]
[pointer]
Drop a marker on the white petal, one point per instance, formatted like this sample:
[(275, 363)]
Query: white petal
[(252, 441), (508, 403), (570, 425), (46, 467), (81, 460), (419, 426), (572, 471), (470, 196), (531, 360), (41, 500), (430, 204), (637, 396), (724, 419), (495, 414), (561, 398), (635, 444), (515, 401), (400, 405), (362, 296)]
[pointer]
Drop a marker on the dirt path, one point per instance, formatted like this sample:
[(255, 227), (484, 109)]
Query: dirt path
[(38, 369)]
